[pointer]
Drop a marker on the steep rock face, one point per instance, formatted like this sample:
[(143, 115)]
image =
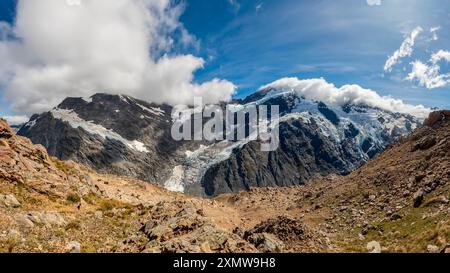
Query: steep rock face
[(110, 133), (303, 153), (315, 140), (29, 165)]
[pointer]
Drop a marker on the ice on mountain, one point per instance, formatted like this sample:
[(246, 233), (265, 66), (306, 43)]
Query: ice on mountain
[(175, 182), (87, 99), (30, 124), (154, 110), (75, 121), (123, 98)]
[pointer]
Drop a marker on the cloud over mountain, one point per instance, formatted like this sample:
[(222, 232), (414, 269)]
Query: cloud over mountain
[(60, 48), (321, 90)]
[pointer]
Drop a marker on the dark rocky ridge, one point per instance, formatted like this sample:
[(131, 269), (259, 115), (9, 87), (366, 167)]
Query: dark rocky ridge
[(120, 114), (303, 154)]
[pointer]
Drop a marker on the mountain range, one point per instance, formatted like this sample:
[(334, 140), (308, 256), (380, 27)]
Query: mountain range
[(122, 135)]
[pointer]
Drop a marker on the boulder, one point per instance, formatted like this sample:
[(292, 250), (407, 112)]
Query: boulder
[(73, 247), (9, 201), (374, 247), (5, 131), (425, 143), (433, 249), (436, 117), (23, 221), (266, 243), (418, 198), (49, 219)]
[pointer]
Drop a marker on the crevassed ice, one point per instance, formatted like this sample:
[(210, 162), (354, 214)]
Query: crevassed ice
[(175, 182), (197, 162), (75, 121)]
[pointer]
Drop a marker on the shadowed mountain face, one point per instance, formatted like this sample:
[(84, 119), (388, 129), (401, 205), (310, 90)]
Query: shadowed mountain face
[(114, 134), (125, 136), (315, 140)]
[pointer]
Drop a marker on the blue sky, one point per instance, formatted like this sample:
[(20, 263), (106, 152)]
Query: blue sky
[(254, 42), (342, 41), (7, 13)]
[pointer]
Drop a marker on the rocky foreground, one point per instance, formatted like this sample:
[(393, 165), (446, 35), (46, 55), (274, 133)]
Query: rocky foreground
[(398, 202)]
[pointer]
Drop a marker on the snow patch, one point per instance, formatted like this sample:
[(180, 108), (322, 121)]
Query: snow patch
[(154, 110), (123, 98), (87, 99), (75, 121)]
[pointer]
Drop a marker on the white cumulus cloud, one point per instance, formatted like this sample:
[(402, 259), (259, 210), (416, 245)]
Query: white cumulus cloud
[(405, 50), (429, 75), (76, 48), (321, 90), (440, 55)]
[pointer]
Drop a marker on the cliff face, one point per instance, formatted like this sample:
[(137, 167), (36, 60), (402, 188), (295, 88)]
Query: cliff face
[(111, 134), (304, 153), (315, 140), (22, 162)]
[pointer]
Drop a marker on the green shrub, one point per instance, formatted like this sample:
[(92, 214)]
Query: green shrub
[(73, 198)]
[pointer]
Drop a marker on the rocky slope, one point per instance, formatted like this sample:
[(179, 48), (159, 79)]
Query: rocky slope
[(125, 136), (398, 202)]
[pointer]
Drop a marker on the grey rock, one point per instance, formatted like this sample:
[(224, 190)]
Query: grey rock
[(49, 219), (73, 247), (374, 247), (105, 154), (433, 249), (395, 216), (304, 151), (266, 243), (23, 221), (9, 201)]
